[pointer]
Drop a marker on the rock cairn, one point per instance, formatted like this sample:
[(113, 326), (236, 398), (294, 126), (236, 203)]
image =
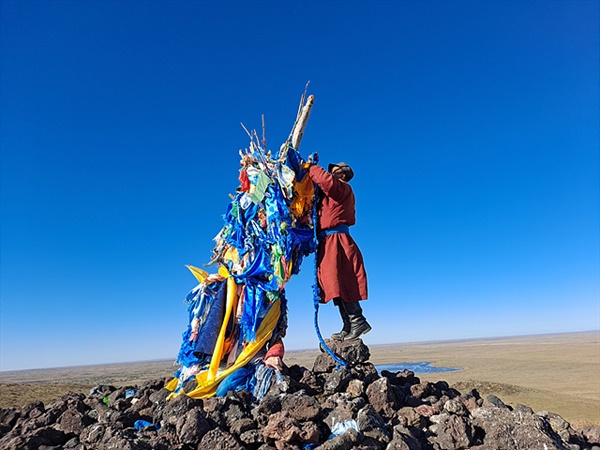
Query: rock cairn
[(326, 408)]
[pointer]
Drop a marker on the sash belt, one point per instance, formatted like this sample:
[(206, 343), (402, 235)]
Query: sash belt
[(344, 229)]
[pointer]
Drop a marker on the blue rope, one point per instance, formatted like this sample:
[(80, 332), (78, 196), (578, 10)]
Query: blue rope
[(316, 297)]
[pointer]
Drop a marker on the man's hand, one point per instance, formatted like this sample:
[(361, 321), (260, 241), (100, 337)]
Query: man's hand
[(274, 362), (312, 159)]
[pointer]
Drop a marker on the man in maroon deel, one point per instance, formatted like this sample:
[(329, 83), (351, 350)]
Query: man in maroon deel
[(340, 267)]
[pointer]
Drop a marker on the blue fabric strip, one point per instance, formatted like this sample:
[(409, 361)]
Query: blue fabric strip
[(343, 228)]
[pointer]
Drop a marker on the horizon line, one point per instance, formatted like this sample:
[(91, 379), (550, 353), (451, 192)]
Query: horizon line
[(436, 341)]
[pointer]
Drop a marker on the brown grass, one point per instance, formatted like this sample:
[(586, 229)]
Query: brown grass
[(21, 394), (558, 373), (18, 388)]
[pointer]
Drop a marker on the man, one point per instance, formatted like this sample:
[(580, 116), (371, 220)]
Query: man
[(340, 268)]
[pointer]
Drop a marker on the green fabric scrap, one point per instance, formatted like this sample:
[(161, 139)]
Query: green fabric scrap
[(235, 210), (262, 183)]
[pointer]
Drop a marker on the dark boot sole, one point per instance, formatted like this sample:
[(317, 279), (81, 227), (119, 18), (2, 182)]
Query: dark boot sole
[(366, 330), (338, 336)]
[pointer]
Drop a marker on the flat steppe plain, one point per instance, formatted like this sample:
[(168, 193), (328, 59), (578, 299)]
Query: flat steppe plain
[(559, 373)]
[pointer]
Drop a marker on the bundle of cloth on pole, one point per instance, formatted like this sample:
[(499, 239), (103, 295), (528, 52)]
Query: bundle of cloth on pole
[(237, 316)]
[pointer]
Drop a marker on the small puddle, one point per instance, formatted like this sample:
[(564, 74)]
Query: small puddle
[(416, 367)]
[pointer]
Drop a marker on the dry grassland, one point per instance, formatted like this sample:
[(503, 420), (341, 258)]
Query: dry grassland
[(558, 373)]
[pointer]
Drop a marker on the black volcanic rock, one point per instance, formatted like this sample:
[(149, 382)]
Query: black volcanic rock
[(192, 426), (8, 418), (301, 406), (385, 397), (394, 411), (504, 428)]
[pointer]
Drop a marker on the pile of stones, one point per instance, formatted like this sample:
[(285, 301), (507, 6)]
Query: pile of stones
[(327, 408)]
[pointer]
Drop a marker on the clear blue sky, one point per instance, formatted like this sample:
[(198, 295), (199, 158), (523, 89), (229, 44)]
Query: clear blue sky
[(473, 129)]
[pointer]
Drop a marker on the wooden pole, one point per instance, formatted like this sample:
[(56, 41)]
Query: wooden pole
[(301, 121)]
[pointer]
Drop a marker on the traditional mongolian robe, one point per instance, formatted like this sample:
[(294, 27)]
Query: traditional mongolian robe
[(340, 270)]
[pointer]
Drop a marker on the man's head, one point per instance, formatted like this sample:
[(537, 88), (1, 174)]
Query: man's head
[(341, 170)]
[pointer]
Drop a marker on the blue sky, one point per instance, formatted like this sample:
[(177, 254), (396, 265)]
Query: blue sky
[(472, 128)]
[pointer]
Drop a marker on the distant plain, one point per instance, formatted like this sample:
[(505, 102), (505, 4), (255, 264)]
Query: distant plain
[(559, 373)]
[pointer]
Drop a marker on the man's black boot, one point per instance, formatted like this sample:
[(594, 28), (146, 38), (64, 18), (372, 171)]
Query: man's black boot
[(358, 323), (345, 318)]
